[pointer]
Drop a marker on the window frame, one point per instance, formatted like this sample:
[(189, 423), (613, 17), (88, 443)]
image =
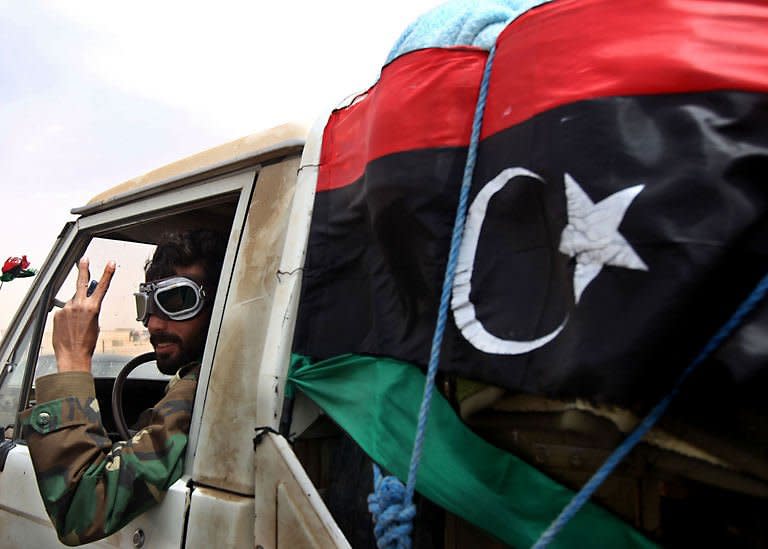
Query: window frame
[(74, 239)]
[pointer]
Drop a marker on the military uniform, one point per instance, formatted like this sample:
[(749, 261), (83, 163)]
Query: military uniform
[(91, 487)]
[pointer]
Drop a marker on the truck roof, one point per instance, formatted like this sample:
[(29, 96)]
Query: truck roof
[(238, 154)]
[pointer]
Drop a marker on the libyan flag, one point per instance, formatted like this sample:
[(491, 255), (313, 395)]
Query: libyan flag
[(617, 212), (617, 217)]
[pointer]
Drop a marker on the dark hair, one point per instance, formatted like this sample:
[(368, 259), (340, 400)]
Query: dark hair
[(182, 249)]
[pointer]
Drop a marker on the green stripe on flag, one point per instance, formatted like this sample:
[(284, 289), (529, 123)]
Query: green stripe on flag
[(376, 401)]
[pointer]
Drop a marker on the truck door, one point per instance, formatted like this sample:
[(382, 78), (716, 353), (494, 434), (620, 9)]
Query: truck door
[(126, 233), (22, 516)]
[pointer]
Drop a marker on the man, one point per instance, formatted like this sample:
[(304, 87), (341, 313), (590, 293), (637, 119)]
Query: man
[(91, 487)]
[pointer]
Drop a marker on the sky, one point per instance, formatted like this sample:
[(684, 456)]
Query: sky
[(93, 93)]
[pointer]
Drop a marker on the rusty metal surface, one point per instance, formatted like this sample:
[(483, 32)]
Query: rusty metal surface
[(224, 457)]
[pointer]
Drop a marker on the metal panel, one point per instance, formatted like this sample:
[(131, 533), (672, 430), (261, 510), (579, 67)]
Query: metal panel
[(219, 519), (215, 325), (225, 459), (165, 204), (24, 523), (288, 511), (281, 322)]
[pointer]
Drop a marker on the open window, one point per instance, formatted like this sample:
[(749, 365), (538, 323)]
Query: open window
[(121, 337), (131, 243)]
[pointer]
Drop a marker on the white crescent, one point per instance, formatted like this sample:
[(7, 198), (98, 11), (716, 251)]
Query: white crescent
[(464, 312)]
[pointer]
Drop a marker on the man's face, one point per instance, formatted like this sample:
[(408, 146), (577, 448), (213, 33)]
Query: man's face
[(178, 342)]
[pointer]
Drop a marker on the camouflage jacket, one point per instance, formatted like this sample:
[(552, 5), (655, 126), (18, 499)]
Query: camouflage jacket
[(91, 487)]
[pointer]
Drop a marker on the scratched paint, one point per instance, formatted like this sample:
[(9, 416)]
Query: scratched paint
[(225, 455)]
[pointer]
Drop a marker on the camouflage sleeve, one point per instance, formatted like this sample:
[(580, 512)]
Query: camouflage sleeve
[(91, 487)]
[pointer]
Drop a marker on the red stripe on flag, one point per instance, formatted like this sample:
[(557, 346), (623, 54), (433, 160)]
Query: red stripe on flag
[(555, 54), (422, 100), (573, 50)]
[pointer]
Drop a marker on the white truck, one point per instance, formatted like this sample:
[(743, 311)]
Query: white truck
[(259, 189), (243, 484), (255, 476)]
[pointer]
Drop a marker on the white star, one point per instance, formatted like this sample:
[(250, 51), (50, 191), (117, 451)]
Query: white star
[(592, 234)]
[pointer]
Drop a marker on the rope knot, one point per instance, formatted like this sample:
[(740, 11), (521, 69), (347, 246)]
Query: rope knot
[(392, 515)]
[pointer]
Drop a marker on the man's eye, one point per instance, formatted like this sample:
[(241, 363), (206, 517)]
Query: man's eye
[(171, 300), (178, 299)]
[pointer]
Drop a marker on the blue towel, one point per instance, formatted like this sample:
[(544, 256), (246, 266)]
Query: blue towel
[(460, 23)]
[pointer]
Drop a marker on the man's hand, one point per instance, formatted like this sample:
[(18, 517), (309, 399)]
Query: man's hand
[(76, 325)]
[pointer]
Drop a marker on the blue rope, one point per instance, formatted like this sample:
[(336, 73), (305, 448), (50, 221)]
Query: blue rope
[(570, 510), (402, 501), (392, 517)]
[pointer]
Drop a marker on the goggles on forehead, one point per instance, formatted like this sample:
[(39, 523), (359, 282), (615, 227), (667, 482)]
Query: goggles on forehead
[(177, 298)]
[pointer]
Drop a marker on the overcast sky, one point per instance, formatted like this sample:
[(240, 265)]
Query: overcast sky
[(96, 92)]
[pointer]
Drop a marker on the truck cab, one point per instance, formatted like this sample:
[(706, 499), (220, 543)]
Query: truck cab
[(234, 492), (244, 484)]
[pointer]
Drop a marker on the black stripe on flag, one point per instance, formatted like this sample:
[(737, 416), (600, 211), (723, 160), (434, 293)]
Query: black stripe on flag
[(684, 176)]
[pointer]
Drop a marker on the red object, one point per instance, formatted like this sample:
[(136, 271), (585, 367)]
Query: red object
[(12, 263), (555, 54)]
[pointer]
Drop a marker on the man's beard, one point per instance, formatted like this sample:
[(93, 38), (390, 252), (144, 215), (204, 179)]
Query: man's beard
[(170, 364)]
